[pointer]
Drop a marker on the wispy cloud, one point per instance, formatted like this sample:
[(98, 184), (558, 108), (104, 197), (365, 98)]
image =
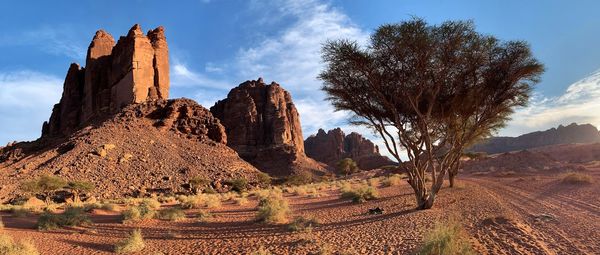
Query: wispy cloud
[(60, 41), (183, 76), (580, 103), (26, 100)]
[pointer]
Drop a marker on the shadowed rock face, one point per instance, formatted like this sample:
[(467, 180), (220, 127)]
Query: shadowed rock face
[(134, 70), (334, 145), (263, 126), (572, 133)]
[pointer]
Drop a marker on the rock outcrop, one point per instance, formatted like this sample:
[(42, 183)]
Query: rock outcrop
[(156, 146), (263, 126), (572, 133), (133, 70), (332, 146)]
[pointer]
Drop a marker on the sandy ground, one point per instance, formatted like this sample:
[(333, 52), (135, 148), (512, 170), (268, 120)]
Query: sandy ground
[(512, 215)]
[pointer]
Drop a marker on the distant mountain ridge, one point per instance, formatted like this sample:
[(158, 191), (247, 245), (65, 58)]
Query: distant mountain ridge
[(573, 133)]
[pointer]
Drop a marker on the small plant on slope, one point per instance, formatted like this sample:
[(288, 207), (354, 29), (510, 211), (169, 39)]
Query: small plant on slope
[(273, 209), (133, 243)]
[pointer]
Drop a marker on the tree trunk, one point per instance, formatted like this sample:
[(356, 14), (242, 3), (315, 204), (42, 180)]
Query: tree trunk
[(424, 202), (451, 175)]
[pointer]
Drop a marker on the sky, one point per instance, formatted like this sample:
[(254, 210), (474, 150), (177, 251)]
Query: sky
[(214, 45)]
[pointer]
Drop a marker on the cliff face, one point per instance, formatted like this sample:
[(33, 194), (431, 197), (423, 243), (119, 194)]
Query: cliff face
[(134, 70), (263, 126), (572, 133), (332, 146)]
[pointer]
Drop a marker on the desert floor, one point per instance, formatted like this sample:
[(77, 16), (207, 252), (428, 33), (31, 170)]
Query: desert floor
[(534, 214)]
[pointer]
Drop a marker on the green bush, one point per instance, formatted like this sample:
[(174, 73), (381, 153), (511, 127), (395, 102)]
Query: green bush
[(137, 213), (238, 184), (72, 216), (171, 214), (298, 179), (133, 243), (447, 239), (360, 193), (273, 209), (347, 166), (9, 247), (45, 185)]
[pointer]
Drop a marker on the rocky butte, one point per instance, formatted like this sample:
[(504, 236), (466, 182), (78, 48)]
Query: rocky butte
[(332, 146), (133, 70), (263, 126)]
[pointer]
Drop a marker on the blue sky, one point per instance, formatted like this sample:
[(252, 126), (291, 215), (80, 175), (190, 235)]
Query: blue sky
[(217, 44)]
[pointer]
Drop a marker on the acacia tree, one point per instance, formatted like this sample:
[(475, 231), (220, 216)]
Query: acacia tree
[(430, 91)]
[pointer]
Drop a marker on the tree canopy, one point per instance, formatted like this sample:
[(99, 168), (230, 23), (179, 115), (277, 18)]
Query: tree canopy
[(430, 90)]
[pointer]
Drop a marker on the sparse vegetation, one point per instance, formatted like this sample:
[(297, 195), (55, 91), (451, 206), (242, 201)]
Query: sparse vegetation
[(577, 178), (298, 179), (447, 239), (241, 201), (347, 166), (133, 243), (9, 247), (392, 180), (78, 187), (45, 185), (212, 201), (264, 180), (137, 213), (303, 223), (204, 216), (171, 214), (360, 193), (239, 184), (72, 216), (273, 209), (197, 183)]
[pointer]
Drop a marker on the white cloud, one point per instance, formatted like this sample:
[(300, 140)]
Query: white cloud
[(26, 100), (183, 76), (60, 40), (580, 103)]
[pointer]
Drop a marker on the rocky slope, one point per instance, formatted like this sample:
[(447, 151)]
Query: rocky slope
[(152, 147), (332, 146), (573, 133), (263, 126)]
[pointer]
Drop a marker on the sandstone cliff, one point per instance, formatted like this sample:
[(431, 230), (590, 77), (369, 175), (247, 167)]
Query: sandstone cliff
[(133, 70), (334, 145), (572, 133), (263, 126)]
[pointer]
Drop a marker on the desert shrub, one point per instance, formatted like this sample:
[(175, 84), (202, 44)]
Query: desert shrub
[(171, 214), (204, 216), (347, 166), (447, 239), (303, 223), (392, 180), (241, 201), (197, 183), (373, 182), (109, 207), (238, 184), (209, 190), (273, 209), (212, 201), (150, 203), (166, 199), (137, 213), (300, 191), (264, 179), (192, 202), (360, 193), (78, 187), (298, 179), (45, 185), (133, 243), (72, 216), (9, 247), (577, 178), (229, 196)]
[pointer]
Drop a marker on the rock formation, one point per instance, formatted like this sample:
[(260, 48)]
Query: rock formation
[(572, 133), (134, 70), (263, 126), (334, 145)]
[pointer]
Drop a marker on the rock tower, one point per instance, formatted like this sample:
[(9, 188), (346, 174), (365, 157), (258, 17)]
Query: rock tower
[(134, 70)]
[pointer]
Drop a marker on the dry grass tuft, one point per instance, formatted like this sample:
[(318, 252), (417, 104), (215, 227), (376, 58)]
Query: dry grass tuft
[(171, 214), (447, 239), (133, 243), (359, 193), (273, 209), (393, 180), (577, 178), (303, 223), (9, 247), (137, 213)]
